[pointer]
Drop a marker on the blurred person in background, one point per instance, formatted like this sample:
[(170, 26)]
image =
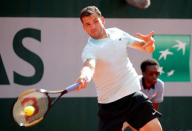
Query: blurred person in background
[(151, 85)]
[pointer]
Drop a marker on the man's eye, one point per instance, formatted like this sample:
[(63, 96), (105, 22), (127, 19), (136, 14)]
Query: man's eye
[(88, 24), (154, 73)]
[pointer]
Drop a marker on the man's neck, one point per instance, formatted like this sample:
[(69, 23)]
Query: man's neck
[(104, 34), (147, 85)]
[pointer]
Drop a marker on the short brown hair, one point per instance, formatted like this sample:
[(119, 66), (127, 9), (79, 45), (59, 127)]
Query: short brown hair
[(89, 10)]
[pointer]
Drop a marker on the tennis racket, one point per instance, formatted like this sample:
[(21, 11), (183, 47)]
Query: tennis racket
[(41, 103)]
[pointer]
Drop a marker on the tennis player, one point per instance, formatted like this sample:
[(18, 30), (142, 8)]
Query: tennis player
[(151, 85), (117, 83)]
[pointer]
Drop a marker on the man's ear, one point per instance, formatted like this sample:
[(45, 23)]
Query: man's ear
[(103, 20), (83, 27), (143, 73)]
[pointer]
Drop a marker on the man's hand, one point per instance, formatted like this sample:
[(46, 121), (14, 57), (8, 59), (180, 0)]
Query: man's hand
[(149, 46), (86, 73), (83, 83)]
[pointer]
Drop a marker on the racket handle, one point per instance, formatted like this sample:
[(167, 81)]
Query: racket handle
[(72, 87)]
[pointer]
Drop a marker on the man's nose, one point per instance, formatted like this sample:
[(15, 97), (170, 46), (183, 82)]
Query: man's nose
[(154, 76), (93, 26)]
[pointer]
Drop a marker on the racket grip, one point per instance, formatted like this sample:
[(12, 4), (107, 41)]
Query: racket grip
[(72, 87)]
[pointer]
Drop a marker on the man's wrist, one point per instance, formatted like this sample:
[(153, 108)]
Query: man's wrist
[(85, 77)]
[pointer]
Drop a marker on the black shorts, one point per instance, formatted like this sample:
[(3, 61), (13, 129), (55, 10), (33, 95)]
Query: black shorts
[(136, 109)]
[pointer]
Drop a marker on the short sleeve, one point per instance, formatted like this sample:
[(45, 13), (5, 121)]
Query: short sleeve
[(87, 53), (126, 36), (160, 91), (130, 38)]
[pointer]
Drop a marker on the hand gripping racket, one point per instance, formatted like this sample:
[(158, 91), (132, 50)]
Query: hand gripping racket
[(41, 103)]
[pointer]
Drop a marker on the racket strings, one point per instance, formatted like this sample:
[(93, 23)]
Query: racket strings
[(38, 100)]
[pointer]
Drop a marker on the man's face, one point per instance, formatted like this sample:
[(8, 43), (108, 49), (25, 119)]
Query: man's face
[(151, 74), (93, 25)]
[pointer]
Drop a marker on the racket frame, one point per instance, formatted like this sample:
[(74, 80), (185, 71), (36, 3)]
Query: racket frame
[(50, 103)]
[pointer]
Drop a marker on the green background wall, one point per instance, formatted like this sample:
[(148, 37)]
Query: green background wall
[(110, 8), (80, 114)]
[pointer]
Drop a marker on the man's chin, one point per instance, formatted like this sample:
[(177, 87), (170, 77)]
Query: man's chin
[(94, 36), (154, 81)]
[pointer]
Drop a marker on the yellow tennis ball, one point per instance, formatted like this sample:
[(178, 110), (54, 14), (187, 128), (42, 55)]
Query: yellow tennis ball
[(29, 110)]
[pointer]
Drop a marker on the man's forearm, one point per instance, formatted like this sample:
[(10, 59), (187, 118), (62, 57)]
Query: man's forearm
[(156, 106), (87, 73), (88, 69)]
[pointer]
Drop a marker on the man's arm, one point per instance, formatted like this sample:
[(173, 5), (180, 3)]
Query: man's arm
[(86, 73), (156, 106), (159, 97), (147, 44)]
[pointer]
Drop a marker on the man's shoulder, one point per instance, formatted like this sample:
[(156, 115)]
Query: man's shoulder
[(159, 81), (114, 30), (159, 84), (140, 77)]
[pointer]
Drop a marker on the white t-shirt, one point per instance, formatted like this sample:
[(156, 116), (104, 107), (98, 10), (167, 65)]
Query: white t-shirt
[(154, 93), (114, 75)]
